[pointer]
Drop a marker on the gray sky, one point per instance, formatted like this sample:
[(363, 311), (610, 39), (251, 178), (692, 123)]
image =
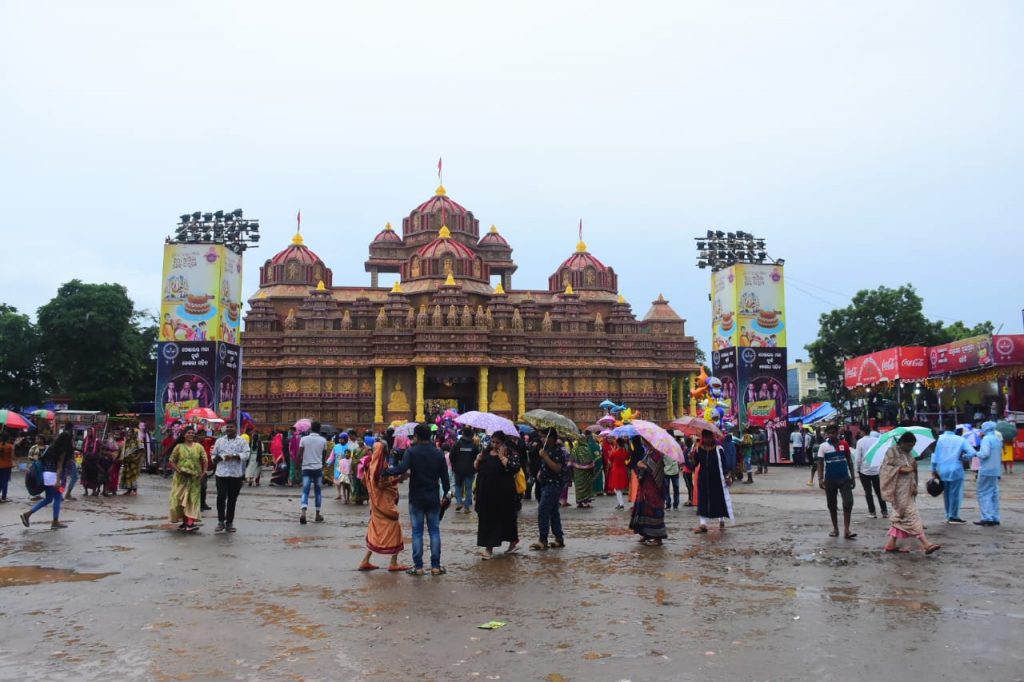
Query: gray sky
[(869, 142)]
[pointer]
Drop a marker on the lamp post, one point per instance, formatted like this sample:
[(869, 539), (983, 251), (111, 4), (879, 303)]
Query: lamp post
[(718, 250)]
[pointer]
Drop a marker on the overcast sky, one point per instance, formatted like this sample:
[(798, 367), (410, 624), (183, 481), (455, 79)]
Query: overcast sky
[(869, 142)]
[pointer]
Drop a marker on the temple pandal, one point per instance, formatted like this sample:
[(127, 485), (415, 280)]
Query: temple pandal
[(443, 336)]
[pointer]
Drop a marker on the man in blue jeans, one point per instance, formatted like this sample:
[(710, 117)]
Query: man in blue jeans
[(463, 456), (554, 461), (311, 450), (426, 468)]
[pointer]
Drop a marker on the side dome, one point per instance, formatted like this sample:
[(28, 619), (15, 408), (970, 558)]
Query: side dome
[(296, 264), (583, 272), (387, 236)]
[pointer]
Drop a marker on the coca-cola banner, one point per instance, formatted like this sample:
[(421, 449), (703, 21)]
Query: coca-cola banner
[(960, 356), (908, 363), (1008, 349)]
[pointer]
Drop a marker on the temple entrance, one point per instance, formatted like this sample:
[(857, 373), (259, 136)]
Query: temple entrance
[(449, 387)]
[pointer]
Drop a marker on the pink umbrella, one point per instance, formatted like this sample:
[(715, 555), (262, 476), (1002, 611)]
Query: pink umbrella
[(692, 426), (607, 421), (660, 439), (489, 423), (303, 425)]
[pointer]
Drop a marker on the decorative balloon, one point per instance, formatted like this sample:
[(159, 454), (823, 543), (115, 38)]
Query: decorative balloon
[(714, 406)]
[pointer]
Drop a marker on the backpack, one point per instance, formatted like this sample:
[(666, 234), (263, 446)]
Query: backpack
[(34, 478)]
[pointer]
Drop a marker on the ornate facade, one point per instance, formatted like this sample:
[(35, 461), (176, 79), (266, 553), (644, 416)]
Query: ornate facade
[(443, 335)]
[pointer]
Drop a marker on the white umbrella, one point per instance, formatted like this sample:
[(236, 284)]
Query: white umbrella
[(877, 452)]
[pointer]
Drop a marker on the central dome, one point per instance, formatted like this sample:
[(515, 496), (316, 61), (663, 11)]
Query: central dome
[(439, 210), (583, 271)]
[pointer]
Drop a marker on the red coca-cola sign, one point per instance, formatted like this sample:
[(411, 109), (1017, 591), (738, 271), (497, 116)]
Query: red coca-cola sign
[(960, 356), (1008, 349), (907, 363)]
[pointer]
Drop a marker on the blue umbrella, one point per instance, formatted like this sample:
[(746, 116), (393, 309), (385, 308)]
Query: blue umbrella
[(625, 431), (524, 428)]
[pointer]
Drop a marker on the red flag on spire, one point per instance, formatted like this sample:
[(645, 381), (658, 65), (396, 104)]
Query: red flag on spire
[(439, 169), (581, 229), (298, 221)]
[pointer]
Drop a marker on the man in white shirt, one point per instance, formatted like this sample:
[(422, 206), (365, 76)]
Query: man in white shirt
[(230, 454), (311, 449), (869, 473), (796, 443)]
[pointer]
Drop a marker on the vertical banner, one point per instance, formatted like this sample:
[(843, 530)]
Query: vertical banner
[(228, 379), (723, 366), (764, 397), (202, 293), (724, 324), (761, 306), (186, 378)]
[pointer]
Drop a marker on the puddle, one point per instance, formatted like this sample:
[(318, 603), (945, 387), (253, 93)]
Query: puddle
[(11, 576), (303, 540)]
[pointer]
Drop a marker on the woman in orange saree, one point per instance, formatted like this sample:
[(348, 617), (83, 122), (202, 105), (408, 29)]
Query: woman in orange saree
[(384, 533)]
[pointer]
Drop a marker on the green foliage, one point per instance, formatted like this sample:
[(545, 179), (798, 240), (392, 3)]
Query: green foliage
[(93, 348), (20, 360), (877, 319)]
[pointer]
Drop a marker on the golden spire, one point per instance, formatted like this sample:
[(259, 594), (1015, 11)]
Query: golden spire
[(387, 227), (262, 294), (581, 247), (450, 281), (320, 286), (568, 290), (499, 289), (440, 191), (494, 229), (297, 239), (444, 233), (396, 288), (622, 299)]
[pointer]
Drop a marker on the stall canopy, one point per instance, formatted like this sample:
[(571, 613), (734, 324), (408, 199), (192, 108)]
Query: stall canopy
[(904, 363), (818, 413)]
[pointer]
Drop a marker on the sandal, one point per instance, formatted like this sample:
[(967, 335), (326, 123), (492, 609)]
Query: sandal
[(367, 567), (514, 547), (558, 544), (438, 571), (850, 536), (834, 534), (700, 529), (486, 556), (539, 546), (933, 549), (415, 571), (901, 550), (397, 568)]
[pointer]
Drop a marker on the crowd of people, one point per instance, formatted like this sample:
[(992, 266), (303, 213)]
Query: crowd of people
[(495, 474)]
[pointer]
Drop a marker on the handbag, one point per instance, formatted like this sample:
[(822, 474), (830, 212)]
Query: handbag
[(520, 482)]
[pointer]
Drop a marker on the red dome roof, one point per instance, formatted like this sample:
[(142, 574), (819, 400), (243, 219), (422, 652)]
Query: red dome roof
[(297, 251), (440, 202), (442, 246), (493, 238), (581, 260), (387, 235)]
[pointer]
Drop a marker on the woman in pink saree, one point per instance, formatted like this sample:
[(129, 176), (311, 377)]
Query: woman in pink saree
[(384, 533)]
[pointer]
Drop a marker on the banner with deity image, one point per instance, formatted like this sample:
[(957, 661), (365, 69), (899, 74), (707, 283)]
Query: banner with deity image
[(202, 293)]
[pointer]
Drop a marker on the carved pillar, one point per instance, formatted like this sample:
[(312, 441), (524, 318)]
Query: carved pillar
[(483, 390), (378, 395), (691, 379), (420, 374), (521, 393), (669, 407), (681, 395), (373, 277)]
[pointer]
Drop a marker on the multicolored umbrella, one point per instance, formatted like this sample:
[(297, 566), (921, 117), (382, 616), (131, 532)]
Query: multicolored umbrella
[(13, 420), (42, 414), (877, 451), (692, 426), (488, 423), (543, 420), (303, 425), (660, 439), (202, 414)]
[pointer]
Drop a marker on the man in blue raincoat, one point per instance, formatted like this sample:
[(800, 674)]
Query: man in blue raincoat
[(990, 453)]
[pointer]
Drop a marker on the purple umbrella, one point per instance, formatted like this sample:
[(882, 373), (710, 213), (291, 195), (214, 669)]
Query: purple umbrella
[(489, 423)]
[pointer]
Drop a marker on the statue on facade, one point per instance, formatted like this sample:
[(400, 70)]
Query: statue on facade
[(382, 319), (437, 320), (546, 324), (489, 317), (421, 317), (598, 323), (397, 402), (499, 399), (467, 316), (481, 320), (453, 316), (517, 321), (410, 318), (291, 322)]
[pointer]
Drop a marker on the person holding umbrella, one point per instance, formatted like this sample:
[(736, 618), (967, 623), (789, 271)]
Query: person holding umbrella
[(899, 486), (550, 479)]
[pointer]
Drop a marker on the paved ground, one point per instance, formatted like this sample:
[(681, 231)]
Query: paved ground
[(121, 595)]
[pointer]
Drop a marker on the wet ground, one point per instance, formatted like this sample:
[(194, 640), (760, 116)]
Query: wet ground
[(121, 595)]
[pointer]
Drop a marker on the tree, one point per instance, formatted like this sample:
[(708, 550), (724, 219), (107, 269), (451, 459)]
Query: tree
[(19, 359), (93, 348), (958, 330), (875, 320)]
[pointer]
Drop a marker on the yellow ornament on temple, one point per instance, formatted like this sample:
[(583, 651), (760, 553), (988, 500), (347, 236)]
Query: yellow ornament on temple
[(444, 233), (450, 281), (320, 286)]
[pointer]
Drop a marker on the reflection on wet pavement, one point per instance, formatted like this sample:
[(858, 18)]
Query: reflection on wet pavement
[(277, 600)]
